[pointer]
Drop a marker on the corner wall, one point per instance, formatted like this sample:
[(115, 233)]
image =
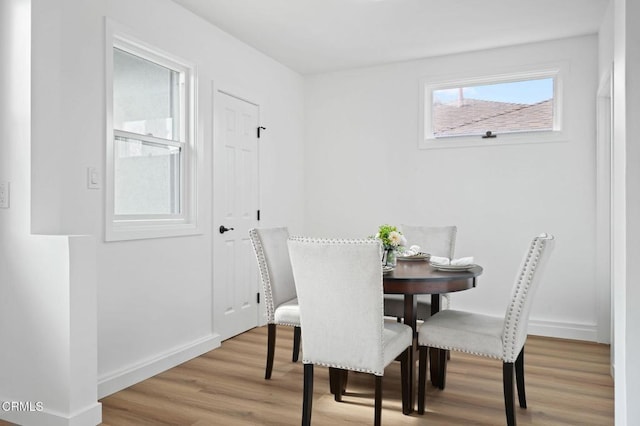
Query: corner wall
[(48, 360), (364, 168), (155, 306)]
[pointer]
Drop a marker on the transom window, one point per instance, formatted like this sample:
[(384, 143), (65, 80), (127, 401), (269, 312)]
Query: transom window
[(150, 170), (516, 106), (492, 109)]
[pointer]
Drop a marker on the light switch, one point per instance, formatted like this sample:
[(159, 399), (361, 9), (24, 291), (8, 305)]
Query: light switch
[(93, 178), (4, 195)]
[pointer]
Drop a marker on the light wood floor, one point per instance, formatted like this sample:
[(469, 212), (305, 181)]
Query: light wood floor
[(568, 383)]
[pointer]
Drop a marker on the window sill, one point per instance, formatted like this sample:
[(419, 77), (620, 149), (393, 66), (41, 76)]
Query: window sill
[(129, 231), (499, 140)]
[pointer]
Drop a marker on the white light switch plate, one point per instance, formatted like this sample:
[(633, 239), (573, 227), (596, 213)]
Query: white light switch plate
[(4, 195), (93, 178)]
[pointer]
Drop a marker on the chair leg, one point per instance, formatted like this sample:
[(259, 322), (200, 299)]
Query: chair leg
[(405, 382), (442, 374), (335, 383), (522, 399), (422, 378), (271, 347), (307, 397), (433, 366), (344, 377), (296, 343), (377, 421), (507, 378)]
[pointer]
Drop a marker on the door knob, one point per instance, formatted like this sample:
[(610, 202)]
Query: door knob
[(224, 229)]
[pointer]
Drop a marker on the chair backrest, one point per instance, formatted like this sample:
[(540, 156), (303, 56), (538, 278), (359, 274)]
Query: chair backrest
[(527, 281), (272, 254), (435, 240), (339, 285)]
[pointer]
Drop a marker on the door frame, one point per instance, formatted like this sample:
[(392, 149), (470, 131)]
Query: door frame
[(604, 205)]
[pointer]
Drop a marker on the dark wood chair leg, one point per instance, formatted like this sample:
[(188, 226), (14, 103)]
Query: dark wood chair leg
[(296, 343), (344, 377), (271, 348), (405, 382), (307, 397), (507, 378), (442, 374), (522, 398), (422, 378), (433, 367), (338, 382), (335, 383), (377, 421)]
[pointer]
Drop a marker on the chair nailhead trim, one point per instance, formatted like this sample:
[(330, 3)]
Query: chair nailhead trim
[(451, 348), (511, 347), (264, 275), (344, 367), (380, 308)]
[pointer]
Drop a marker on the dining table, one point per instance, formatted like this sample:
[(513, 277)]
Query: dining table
[(411, 277)]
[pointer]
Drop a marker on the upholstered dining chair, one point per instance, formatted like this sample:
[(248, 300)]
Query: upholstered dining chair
[(483, 335), (339, 286), (435, 240), (281, 303)]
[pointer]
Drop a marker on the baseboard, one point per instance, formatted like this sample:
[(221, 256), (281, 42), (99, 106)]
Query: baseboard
[(114, 382), (89, 416), (564, 330)]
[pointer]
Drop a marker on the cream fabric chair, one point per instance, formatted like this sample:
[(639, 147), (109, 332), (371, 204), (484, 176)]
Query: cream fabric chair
[(339, 286), (281, 303), (500, 338), (435, 240)]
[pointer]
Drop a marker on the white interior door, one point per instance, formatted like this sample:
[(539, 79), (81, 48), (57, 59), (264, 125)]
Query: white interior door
[(235, 207)]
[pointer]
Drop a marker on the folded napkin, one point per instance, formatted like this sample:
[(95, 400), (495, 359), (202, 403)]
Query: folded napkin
[(439, 260), (411, 251), (463, 261)]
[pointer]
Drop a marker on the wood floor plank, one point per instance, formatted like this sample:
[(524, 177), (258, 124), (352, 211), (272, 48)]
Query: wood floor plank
[(568, 383)]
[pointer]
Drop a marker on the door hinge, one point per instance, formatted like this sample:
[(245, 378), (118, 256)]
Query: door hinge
[(260, 128), (258, 298), (258, 214)]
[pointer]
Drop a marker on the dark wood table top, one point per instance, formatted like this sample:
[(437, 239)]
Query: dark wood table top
[(419, 277)]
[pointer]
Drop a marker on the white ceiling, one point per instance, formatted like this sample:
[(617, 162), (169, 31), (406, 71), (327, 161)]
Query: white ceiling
[(314, 36)]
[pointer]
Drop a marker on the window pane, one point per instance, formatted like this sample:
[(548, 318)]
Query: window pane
[(500, 108), (147, 177), (146, 96)]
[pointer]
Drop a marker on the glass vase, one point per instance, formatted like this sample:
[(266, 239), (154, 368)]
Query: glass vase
[(389, 257)]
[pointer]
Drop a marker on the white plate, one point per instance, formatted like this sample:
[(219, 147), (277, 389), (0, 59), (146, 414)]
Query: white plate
[(386, 269), (452, 268), (419, 256)]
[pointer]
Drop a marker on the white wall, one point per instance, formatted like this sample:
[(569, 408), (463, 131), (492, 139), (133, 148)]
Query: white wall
[(363, 169), (621, 47), (632, 193), (48, 359), (154, 296)]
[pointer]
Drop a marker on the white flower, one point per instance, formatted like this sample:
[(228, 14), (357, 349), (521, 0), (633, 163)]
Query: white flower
[(395, 238)]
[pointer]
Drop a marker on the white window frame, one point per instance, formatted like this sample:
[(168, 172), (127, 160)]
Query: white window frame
[(133, 227), (428, 85)]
